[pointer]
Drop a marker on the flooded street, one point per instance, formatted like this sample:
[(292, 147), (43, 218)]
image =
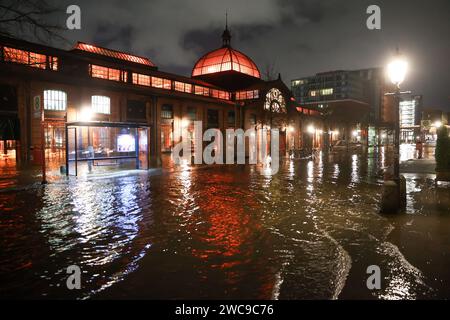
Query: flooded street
[(309, 232)]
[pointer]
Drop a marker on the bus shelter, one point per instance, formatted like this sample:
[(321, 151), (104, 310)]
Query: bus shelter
[(96, 147)]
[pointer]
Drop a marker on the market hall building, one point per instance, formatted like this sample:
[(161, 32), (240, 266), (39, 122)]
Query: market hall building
[(100, 108)]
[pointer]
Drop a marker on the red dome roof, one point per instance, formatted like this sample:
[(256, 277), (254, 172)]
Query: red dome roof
[(225, 59)]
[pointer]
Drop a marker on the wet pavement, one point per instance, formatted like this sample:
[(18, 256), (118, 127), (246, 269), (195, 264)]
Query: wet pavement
[(309, 232)]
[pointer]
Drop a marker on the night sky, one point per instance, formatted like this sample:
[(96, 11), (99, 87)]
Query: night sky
[(300, 37)]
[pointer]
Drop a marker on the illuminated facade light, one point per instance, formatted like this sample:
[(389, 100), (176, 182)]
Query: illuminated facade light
[(310, 129), (85, 114)]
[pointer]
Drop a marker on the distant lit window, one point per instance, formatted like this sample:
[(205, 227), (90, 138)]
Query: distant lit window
[(101, 104), (298, 82), (107, 73), (313, 93), (55, 100), (326, 92)]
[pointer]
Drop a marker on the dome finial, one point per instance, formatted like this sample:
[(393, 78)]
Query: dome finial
[(226, 35)]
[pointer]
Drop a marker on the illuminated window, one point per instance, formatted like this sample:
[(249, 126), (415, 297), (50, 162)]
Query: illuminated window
[(167, 111), (201, 91), (313, 93), (141, 79), (55, 100), (247, 95), (157, 82), (183, 87), (161, 83), (53, 63), (179, 86), (326, 92), (108, 73), (28, 58), (167, 84), (275, 101), (224, 95), (101, 104)]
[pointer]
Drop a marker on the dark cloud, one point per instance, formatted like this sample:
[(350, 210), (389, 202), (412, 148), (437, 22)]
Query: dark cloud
[(201, 40), (111, 35)]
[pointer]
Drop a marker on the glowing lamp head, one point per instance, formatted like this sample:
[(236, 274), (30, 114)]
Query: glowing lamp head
[(86, 114), (291, 129), (310, 129), (355, 133), (397, 69), (185, 123), (438, 124)]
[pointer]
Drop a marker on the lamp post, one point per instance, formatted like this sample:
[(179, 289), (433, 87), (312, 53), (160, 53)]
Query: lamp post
[(397, 69), (394, 196)]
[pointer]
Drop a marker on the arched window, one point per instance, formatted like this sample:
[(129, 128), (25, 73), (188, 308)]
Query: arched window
[(101, 104), (55, 100), (275, 101)]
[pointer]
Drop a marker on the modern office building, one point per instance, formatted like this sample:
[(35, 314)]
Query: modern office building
[(351, 100), (111, 109), (410, 109)]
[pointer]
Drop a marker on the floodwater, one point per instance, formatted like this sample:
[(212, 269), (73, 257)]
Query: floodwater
[(229, 232)]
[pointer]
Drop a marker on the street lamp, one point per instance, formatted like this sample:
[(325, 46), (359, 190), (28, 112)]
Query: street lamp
[(310, 129), (438, 124), (396, 71)]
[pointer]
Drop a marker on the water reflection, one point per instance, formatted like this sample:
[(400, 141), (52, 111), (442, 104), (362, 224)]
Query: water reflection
[(226, 232)]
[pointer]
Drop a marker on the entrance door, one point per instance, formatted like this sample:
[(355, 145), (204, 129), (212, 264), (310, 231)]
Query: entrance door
[(143, 156), (71, 154), (166, 137)]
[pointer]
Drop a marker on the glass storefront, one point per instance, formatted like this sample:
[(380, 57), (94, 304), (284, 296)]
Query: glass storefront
[(103, 147)]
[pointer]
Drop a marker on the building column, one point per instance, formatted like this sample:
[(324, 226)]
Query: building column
[(155, 134)]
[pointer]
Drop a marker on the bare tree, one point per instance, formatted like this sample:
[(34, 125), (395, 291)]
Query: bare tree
[(30, 19), (270, 71)]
